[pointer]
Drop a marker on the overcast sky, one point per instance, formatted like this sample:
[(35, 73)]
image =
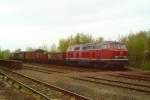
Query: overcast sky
[(30, 23)]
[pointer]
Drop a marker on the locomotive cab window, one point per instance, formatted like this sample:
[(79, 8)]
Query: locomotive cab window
[(105, 46), (69, 49), (118, 46), (123, 46), (84, 48), (77, 48)]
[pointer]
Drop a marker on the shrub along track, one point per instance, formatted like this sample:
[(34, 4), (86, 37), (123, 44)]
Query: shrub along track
[(44, 90)]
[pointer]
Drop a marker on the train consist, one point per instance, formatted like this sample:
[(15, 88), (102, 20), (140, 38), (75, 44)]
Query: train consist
[(107, 54)]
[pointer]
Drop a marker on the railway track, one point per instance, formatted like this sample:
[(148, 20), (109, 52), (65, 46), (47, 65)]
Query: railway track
[(135, 77), (68, 94), (114, 83), (117, 81), (36, 68), (67, 68), (146, 73)]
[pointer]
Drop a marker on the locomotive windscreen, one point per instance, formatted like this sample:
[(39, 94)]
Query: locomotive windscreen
[(118, 46)]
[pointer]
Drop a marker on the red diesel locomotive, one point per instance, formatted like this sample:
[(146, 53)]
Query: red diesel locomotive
[(102, 54), (107, 54)]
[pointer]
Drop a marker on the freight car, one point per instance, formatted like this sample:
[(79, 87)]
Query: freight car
[(57, 58), (40, 56), (32, 56), (108, 54)]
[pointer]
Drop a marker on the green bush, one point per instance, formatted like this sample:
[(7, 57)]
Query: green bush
[(5, 54), (138, 45)]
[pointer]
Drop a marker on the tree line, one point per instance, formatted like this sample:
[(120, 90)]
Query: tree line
[(79, 38), (63, 44)]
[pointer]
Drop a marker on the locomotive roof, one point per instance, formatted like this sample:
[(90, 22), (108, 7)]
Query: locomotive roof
[(91, 46), (96, 43)]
